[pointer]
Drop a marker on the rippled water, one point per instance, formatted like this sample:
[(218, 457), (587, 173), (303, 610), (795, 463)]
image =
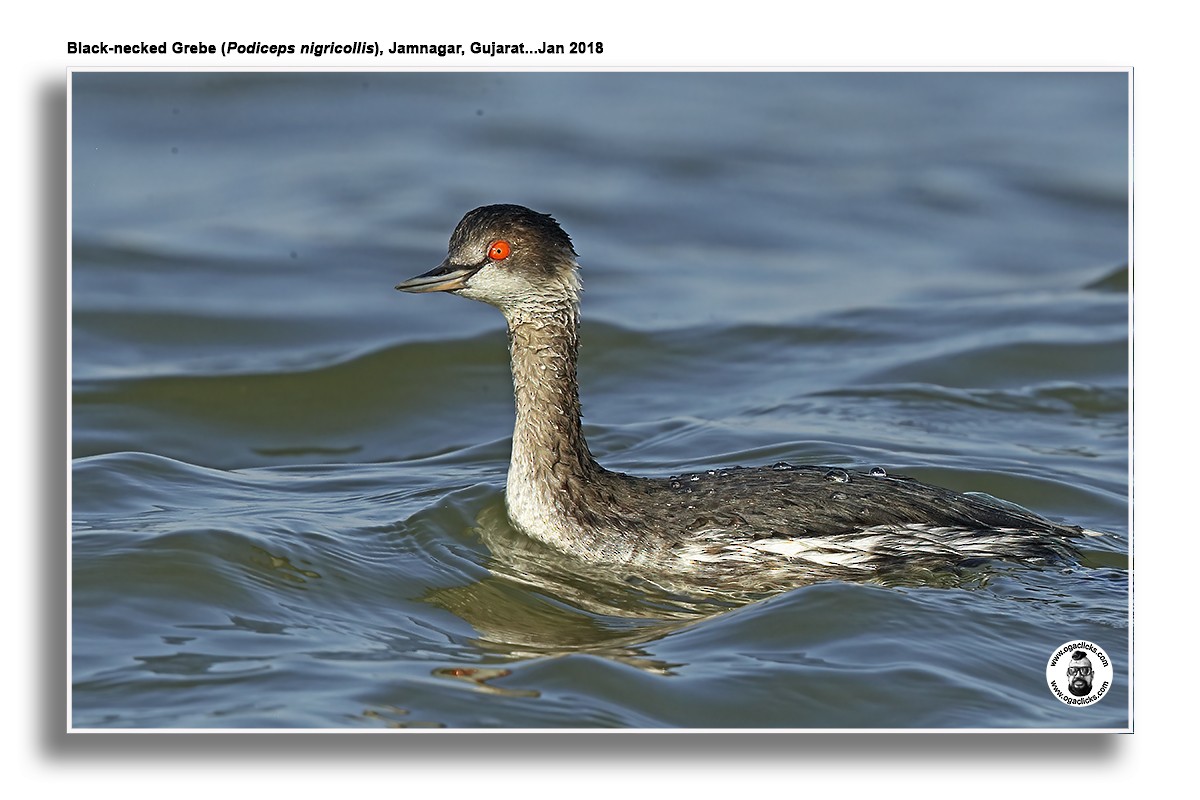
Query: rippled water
[(287, 478)]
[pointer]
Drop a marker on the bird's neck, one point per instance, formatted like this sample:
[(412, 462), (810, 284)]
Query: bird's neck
[(548, 437), (551, 463)]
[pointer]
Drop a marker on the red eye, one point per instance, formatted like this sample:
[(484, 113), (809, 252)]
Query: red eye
[(499, 250)]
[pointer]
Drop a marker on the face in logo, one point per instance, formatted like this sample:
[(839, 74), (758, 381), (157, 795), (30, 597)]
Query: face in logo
[(1080, 674)]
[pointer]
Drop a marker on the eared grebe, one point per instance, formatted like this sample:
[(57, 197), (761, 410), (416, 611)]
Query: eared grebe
[(779, 517)]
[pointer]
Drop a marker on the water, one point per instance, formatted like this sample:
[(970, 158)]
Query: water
[(287, 477)]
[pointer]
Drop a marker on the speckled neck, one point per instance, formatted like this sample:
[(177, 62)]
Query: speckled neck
[(551, 464)]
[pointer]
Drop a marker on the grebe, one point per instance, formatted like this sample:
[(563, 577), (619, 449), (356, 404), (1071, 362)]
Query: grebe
[(777, 517)]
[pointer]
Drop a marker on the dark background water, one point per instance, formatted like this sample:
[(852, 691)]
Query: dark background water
[(287, 478)]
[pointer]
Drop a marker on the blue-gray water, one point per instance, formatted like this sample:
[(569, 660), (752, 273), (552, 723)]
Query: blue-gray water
[(287, 477)]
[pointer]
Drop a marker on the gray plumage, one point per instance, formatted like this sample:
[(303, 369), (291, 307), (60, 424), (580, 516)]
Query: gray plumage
[(772, 518)]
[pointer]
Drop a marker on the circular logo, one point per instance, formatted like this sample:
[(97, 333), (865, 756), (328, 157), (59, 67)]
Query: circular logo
[(1079, 673)]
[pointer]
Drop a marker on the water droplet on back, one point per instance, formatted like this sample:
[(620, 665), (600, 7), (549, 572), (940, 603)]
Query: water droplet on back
[(838, 476), (878, 472)]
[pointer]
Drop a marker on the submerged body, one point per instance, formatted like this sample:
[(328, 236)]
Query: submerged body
[(779, 517)]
